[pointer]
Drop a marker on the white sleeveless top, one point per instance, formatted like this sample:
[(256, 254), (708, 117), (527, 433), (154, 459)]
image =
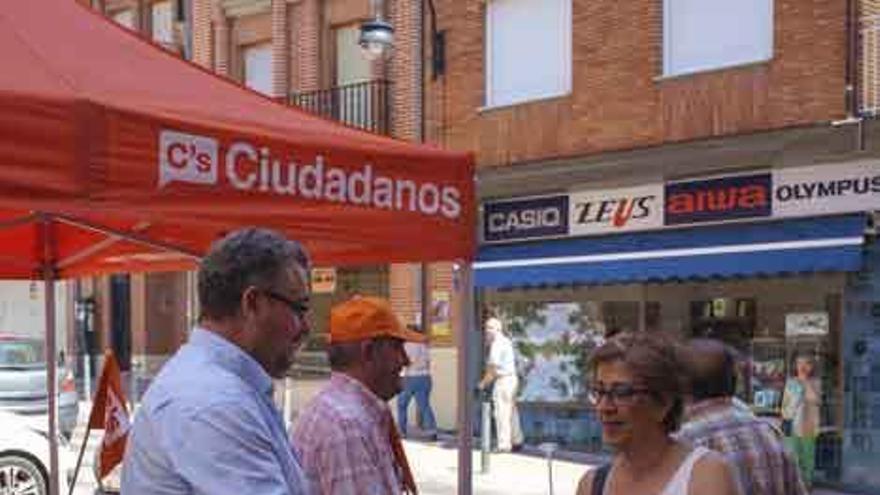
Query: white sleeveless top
[(681, 480)]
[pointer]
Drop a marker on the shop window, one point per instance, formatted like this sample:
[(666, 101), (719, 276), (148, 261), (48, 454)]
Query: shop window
[(528, 50), (699, 35), (258, 67), (553, 341)]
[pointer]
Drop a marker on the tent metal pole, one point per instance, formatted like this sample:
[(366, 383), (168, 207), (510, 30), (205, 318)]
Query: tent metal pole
[(49, 249), (464, 291), (129, 236)]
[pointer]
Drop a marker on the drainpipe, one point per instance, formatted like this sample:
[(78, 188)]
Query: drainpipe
[(853, 112)]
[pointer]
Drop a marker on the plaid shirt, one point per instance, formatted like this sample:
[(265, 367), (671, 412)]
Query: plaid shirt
[(752, 445), (342, 438)]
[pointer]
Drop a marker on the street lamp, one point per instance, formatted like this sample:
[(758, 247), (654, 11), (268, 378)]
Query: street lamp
[(377, 39), (377, 36)]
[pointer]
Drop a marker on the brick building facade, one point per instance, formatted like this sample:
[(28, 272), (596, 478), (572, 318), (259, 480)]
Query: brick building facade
[(580, 111)]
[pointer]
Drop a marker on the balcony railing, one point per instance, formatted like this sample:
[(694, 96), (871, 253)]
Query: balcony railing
[(870, 65), (365, 105)]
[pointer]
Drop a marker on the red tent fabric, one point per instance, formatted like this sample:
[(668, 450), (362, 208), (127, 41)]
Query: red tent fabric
[(112, 150)]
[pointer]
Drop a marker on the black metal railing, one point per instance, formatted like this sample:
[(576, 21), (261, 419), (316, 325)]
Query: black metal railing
[(365, 105)]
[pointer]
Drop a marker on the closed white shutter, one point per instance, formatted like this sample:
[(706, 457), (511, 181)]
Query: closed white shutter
[(351, 65), (528, 50), (701, 35), (258, 68), (163, 23)]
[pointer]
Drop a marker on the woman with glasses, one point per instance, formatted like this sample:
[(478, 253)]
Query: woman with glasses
[(637, 390)]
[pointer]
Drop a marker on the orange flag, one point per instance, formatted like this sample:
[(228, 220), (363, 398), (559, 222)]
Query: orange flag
[(110, 414)]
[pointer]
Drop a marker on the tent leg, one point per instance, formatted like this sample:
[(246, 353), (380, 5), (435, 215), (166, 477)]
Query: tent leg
[(464, 293), (51, 353)]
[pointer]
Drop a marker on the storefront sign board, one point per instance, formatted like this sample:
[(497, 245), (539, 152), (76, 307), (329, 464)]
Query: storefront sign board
[(323, 280), (719, 199), (527, 218), (826, 189), (616, 210), (806, 324)]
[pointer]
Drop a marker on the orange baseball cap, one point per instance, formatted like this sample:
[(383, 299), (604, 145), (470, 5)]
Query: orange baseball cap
[(365, 317)]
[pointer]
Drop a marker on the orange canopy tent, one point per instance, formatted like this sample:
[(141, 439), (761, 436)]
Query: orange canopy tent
[(118, 156)]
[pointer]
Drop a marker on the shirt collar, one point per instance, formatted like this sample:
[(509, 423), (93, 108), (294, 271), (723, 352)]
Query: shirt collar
[(375, 406), (708, 407), (232, 358)]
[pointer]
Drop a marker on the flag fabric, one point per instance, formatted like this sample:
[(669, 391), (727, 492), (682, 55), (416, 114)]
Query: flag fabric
[(110, 414)]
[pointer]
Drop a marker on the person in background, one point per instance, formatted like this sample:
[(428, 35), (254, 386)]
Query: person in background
[(501, 374), (715, 420), (346, 436), (207, 424), (638, 391), (417, 383), (800, 414)]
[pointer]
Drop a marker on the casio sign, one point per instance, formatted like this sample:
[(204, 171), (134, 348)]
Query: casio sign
[(525, 219)]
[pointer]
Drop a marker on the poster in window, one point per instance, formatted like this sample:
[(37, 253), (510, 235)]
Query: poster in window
[(806, 324), (552, 342), (440, 314)]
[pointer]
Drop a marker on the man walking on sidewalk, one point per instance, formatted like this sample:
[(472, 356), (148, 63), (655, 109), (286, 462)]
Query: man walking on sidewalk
[(346, 437), (501, 373), (717, 420)]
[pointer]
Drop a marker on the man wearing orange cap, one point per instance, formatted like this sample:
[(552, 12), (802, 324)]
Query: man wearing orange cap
[(346, 438)]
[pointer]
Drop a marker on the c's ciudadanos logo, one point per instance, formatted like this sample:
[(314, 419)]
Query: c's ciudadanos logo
[(187, 158)]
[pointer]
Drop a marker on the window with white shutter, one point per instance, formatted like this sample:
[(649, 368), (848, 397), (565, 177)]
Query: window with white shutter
[(528, 50), (163, 23), (701, 35), (258, 67)]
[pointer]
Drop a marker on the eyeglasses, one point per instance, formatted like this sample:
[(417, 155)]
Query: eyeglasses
[(619, 394), (300, 307)]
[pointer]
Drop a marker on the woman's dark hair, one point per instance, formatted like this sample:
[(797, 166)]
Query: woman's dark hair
[(655, 360)]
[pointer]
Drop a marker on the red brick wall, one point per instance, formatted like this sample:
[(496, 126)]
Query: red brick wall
[(617, 102)]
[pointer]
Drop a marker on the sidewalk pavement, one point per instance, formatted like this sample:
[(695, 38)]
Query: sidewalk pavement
[(435, 466)]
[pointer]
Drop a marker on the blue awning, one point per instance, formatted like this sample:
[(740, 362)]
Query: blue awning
[(770, 248)]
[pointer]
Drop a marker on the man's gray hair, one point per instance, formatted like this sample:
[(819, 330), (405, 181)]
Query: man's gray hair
[(245, 257)]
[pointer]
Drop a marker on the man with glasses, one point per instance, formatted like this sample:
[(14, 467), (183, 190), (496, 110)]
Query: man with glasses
[(208, 424)]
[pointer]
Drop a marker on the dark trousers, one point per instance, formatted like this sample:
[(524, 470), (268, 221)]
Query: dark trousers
[(420, 387)]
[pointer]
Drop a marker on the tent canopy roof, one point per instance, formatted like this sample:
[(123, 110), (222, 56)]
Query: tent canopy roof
[(116, 155)]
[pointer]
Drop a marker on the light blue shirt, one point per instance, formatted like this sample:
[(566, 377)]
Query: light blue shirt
[(208, 425)]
